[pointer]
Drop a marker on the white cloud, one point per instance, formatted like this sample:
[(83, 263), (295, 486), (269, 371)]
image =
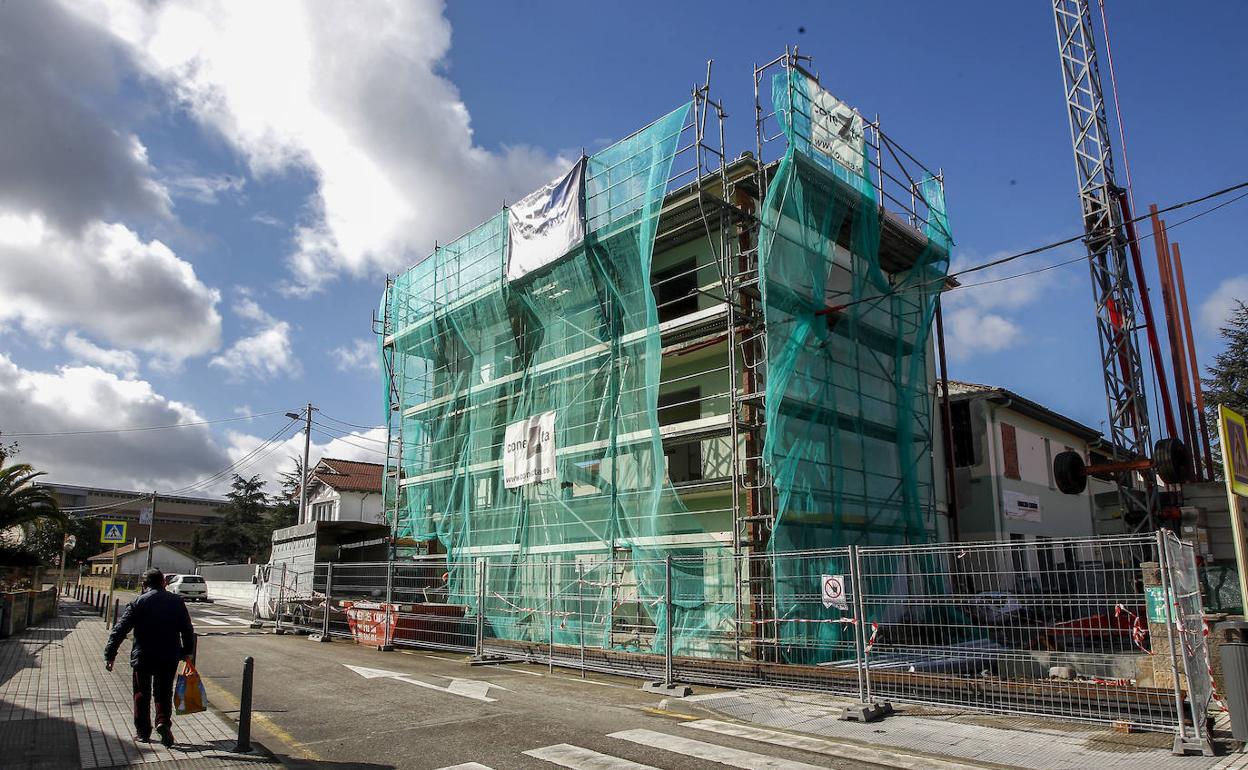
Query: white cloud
[(107, 282), (357, 99), (365, 446), (1216, 310), (122, 362), (77, 398), (262, 355), (204, 189), (60, 157), (982, 319), (360, 355)]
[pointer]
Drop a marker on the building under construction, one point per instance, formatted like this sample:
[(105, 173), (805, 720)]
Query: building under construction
[(672, 352)]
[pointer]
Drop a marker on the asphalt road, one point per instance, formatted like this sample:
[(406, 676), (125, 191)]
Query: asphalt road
[(339, 705)]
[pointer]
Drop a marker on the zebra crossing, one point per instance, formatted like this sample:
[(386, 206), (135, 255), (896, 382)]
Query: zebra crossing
[(685, 747), (205, 616)]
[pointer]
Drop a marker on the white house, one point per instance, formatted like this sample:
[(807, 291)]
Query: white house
[(132, 559), (1003, 450), (345, 490)]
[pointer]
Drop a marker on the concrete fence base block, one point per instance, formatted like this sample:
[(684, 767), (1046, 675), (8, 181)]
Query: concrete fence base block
[(319, 638), (670, 689), (385, 648), (490, 659), (866, 712)]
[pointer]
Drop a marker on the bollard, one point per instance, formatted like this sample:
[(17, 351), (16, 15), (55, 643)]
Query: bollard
[(116, 610), (243, 746)]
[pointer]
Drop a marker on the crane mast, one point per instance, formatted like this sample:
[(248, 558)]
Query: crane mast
[(1113, 292)]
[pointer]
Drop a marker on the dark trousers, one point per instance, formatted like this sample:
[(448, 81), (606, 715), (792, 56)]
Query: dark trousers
[(153, 680)]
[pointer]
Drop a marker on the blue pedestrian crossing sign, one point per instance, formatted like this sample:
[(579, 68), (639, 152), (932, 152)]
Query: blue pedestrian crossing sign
[(112, 531)]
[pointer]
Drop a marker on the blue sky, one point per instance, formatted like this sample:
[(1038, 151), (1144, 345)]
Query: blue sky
[(199, 204)]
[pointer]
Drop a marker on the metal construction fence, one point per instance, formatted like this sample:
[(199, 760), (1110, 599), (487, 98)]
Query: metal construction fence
[(1069, 628)]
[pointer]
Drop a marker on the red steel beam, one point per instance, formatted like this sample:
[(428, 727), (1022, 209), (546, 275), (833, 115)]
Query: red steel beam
[(1146, 305), (1191, 352)]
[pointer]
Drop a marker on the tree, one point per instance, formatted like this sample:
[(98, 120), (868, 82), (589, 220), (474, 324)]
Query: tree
[(284, 506), (241, 533), (21, 502), (1227, 382), (45, 540), (8, 450)]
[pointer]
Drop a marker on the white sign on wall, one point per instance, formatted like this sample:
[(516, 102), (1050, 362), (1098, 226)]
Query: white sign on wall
[(836, 129), (1021, 507), (546, 224), (529, 451), (832, 587)]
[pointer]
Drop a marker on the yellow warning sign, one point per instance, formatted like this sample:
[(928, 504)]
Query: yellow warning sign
[(112, 531)]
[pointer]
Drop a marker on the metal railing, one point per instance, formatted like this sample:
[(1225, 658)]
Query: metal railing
[(1056, 628)]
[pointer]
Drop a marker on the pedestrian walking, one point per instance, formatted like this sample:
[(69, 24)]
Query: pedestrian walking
[(163, 638)]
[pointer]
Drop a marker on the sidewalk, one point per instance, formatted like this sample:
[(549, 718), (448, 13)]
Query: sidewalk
[(59, 708), (958, 736)]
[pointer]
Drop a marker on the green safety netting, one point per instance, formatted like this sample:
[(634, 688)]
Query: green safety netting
[(847, 393), (473, 353), (847, 406)]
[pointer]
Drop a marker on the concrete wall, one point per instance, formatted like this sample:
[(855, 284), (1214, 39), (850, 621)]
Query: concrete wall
[(237, 592)]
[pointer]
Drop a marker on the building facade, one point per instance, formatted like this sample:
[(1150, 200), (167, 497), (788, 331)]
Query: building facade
[(666, 352), (345, 490), (132, 560), (1003, 450), (176, 517)]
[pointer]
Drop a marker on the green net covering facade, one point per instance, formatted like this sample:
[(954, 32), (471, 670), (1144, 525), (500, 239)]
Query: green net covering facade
[(647, 455)]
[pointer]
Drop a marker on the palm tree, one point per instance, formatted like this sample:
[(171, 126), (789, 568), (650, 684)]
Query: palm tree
[(21, 502)]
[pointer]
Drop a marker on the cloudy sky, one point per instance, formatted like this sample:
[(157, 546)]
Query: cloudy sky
[(199, 201)]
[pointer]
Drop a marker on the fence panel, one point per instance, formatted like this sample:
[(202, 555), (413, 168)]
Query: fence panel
[(1185, 611), (1050, 628), (1047, 628)]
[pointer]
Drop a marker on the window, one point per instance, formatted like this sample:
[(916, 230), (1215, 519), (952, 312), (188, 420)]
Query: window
[(676, 290), (323, 511), (1009, 452), (963, 441), (684, 461)]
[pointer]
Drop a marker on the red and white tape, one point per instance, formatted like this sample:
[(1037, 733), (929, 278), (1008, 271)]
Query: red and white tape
[(1139, 629)]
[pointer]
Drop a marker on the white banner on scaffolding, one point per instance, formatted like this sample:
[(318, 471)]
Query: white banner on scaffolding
[(546, 224), (529, 451), (836, 129), (1021, 507)]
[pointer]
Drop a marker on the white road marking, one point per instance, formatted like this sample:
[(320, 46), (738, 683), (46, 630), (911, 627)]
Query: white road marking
[(747, 760), (465, 688), (521, 671), (214, 622), (577, 758), (467, 766), (207, 611), (825, 747)]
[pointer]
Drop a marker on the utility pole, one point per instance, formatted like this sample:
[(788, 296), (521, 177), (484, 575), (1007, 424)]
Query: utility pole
[(151, 526), (304, 471)]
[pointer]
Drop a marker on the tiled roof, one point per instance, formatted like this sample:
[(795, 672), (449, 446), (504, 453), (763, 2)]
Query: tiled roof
[(130, 548), (349, 475)]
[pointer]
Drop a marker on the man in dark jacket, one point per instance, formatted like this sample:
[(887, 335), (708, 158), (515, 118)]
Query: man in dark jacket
[(163, 637)]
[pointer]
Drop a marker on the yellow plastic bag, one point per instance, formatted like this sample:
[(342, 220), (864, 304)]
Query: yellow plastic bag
[(188, 692)]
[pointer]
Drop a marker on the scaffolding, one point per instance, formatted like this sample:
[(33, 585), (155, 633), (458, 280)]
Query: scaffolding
[(736, 359)]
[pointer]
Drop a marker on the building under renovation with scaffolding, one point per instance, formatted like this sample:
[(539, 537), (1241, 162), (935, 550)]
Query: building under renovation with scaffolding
[(675, 351)]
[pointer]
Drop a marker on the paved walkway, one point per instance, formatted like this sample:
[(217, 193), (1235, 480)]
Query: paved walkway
[(1014, 742), (60, 709)]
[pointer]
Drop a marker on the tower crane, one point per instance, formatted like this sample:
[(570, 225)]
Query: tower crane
[(1106, 215)]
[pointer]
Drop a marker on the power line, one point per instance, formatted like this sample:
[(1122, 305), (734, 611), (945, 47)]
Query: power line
[(340, 433), (361, 447), (351, 424), (267, 447), (145, 427), (1083, 258)]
